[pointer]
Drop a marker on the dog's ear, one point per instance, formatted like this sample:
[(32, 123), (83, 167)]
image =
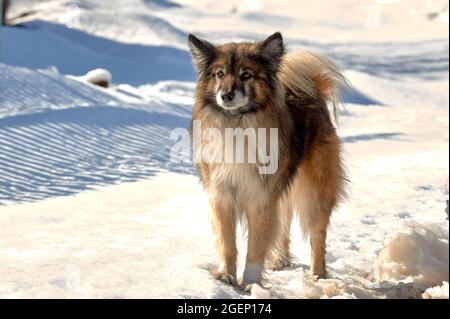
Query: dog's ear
[(272, 49), (203, 52)]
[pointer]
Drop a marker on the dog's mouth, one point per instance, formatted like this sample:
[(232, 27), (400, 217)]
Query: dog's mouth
[(233, 106)]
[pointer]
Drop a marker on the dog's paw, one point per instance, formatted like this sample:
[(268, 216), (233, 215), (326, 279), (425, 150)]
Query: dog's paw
[(226, 278), (315, 276)]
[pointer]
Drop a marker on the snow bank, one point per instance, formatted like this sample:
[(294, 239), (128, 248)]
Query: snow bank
[(418, 253), (439, 292)]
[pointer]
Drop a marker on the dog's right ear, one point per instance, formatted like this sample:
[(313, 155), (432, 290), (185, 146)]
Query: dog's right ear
[(203, 52), (272, 50)]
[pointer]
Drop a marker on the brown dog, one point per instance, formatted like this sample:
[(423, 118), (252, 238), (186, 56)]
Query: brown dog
[(254, 86)]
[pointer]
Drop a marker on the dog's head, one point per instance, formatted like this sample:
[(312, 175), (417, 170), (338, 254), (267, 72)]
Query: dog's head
[(237, 78)]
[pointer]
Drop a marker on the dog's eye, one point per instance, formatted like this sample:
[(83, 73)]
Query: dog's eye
[(220, 74), (246, 75)]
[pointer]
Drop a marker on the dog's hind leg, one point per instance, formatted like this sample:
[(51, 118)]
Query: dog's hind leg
[(318, 236), (224, 221), (314, 219), (281, 256), (319, 187)]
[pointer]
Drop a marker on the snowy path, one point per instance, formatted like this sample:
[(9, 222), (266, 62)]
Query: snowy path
[(91, 205)]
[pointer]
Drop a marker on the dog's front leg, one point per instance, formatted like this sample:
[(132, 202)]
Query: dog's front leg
[(262, 228), (224, 222)]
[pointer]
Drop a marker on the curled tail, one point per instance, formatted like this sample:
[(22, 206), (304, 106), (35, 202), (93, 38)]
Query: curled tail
[(309, 75)]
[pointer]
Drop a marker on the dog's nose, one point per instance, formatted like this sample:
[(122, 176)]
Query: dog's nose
[(228, 97)]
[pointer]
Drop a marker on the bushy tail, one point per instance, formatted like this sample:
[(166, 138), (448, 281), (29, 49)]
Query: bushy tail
[(310, 75)]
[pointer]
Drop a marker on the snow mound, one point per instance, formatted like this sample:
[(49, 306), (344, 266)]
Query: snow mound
[(100, 77), (418, 254), (439, 292)]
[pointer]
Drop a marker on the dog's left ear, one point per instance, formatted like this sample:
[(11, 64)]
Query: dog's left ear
[(272, 49), (203, 52)]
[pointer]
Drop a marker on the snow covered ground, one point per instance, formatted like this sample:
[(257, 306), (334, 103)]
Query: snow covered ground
[(92, 206)]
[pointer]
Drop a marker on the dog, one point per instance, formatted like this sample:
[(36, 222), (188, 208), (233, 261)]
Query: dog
[(258, 85)]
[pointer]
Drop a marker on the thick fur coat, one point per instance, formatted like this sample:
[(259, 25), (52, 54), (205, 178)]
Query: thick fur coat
[(260, 86)]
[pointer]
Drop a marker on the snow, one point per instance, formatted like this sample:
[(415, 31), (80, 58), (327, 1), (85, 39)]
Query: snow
[(418, 254), (439, 292), (134, 64), (91, 204), (59, 144), (97, 77)]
